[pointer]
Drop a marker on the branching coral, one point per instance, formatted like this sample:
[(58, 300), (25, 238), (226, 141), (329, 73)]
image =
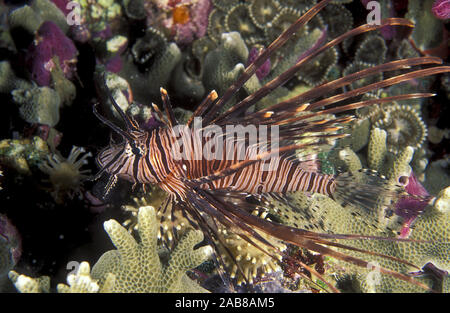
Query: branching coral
[(429, 31), (320, 213), (82, 282), (225, 63), (137, 266), (27, 284), (134, 266)]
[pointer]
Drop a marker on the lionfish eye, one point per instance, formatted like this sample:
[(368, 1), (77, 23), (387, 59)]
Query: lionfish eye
[(136, 150)]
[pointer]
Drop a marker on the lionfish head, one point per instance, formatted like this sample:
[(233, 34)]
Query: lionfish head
[(123, 160)]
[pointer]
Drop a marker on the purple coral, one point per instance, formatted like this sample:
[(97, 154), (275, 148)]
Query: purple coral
[(441, 9), (196, 25), (11, 236), (410, 207), (264, 69), (50, 41)]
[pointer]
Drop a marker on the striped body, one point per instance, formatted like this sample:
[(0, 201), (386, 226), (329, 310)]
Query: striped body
[(161, 165)]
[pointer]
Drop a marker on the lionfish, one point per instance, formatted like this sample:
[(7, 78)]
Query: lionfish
[(213, 191)]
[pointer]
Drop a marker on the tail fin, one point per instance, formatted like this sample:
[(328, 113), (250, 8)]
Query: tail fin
[(366, 188)]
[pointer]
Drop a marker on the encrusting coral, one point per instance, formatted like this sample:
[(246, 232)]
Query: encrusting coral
[(38, 105), (10, 246), (23, 154)]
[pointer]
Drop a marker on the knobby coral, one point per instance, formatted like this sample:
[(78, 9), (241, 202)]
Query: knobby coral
[(134, 266), (137, 267)]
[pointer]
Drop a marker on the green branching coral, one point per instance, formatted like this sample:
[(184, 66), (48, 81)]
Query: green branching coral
[(134, 266), (137, 266), (82, 282), (320, 213)]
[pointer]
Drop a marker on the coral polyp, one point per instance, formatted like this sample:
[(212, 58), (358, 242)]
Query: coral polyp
[(404, 127), (65, 174)]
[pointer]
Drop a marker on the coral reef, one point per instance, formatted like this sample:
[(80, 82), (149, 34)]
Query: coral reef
[(133, 267), (137, 266), (59, 61)]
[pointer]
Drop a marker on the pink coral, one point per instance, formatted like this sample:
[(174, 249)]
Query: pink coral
[(410, 207), (441, 9), (188, 29), (11, 236), (50, 42), (264, 69)]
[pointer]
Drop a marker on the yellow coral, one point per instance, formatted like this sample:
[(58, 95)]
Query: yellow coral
[(66, 175), (82, 282), (27, 284), (247, 258), (137, 266)]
